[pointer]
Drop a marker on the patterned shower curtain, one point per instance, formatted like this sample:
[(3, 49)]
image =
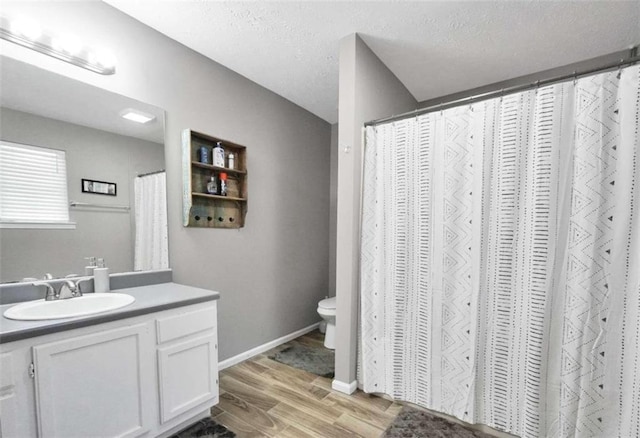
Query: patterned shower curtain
[(151, 248), (500, 260)]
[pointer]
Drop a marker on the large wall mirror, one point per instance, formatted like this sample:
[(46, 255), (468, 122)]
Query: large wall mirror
[(46, 110)]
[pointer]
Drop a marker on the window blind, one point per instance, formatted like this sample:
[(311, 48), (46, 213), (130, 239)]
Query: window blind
[(33, 184)]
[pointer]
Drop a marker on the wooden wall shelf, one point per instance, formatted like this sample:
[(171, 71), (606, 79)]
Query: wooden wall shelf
[(219, 169), (201, 208), (220, 198)]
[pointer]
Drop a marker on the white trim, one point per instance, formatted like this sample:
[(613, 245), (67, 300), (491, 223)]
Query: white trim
[(347, 388), (40, 225), (264, 347)]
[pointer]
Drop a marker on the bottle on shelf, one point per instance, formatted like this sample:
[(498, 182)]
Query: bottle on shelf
[(203, 155), (218, 155), (212, 186), (223, 184), (231, 161)]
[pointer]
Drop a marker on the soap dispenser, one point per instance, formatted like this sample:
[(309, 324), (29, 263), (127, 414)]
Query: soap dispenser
[(88, 270), (101, 278)]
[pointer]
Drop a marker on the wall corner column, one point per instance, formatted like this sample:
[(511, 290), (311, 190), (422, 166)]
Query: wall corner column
[(368, 90)]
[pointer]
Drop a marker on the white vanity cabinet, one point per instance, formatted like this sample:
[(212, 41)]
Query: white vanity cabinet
[(143, 376)]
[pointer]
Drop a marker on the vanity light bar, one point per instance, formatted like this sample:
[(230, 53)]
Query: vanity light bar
[(66, 48)]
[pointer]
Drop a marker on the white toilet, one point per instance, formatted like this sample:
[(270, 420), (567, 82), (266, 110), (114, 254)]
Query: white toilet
[(327, 310)]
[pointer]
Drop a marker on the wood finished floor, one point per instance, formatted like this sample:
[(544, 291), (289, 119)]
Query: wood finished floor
[(264, 398)]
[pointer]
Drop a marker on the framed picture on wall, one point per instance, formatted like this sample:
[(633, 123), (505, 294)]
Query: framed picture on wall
[(99, 187)]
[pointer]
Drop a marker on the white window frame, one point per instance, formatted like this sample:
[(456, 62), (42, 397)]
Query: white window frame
[(31, 170)]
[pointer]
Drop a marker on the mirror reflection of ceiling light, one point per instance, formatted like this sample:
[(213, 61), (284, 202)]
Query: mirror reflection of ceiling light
[(28, 33), (137, 116)]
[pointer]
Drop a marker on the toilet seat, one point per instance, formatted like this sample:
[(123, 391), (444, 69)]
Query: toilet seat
[(328, 303)]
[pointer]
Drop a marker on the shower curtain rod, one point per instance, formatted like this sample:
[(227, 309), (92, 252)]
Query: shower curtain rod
[(151, 173), (631, 59)]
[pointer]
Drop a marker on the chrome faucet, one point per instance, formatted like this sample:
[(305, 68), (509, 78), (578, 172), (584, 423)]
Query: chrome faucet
[(51, 293), (69, 289)]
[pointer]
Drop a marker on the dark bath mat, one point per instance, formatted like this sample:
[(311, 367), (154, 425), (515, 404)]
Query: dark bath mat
[(318, 361), (414, 423), (206, 428)]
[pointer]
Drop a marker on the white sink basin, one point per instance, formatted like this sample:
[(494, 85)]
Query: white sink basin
[(80, 306)]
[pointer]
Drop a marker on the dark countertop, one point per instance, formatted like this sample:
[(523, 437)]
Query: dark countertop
[(149, 299)]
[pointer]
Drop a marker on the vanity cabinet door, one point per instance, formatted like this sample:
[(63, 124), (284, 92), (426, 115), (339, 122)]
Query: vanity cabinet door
[(187, 355), (96, 385), (188, 375)]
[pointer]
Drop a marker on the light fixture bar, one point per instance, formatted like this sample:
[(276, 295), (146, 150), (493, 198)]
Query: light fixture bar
[(28, 35)]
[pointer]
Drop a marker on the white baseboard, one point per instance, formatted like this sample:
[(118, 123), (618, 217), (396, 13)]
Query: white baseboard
[(265, 347), (347, 388)]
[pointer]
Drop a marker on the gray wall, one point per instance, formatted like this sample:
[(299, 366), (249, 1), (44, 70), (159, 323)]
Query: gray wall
[(271, 273), (368, 91), (91, 154)]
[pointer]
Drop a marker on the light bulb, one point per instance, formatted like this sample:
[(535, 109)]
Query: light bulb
[(106, 59), (26, 28), (67, 44)]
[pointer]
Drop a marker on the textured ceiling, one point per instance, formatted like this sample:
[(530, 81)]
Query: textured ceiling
[(434, 48)]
